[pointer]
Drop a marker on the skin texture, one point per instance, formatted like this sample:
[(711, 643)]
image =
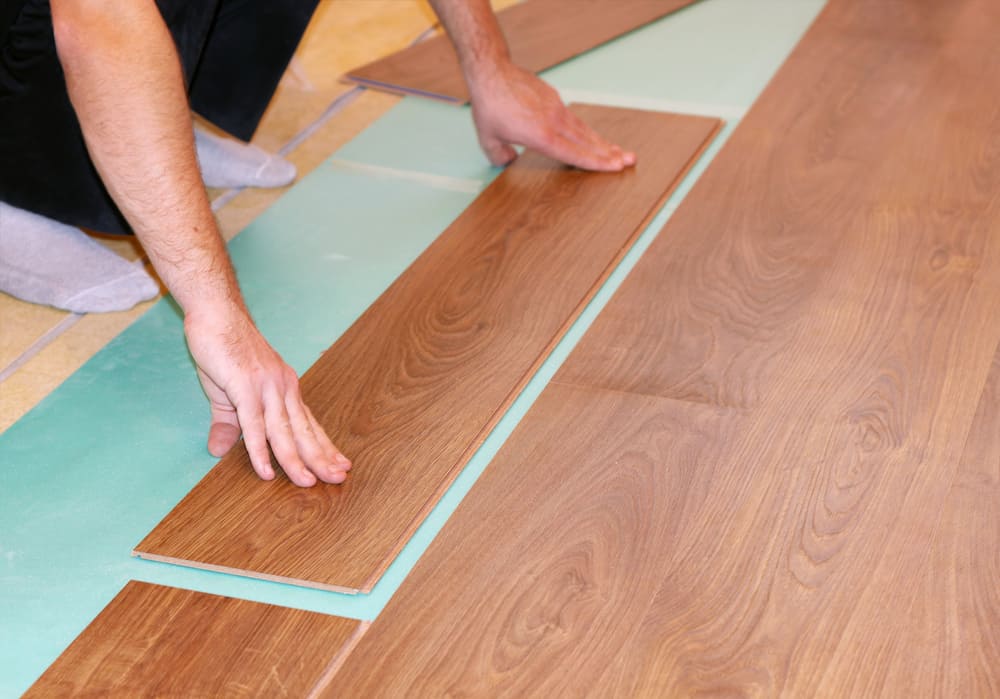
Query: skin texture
[(512, 106), (125, 82)]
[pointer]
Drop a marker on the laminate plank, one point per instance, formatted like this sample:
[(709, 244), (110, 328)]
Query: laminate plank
[(554, 556), (540, 33), (952, 630), (415, 385), (155, 641), (742, 260), (842, 330)]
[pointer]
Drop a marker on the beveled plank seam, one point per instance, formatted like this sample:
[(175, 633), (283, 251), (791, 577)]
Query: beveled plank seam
[(338, 660)]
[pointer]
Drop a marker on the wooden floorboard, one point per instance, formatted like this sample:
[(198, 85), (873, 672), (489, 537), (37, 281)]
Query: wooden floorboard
[(415, 385), (952, 629), (540, 33), (794, 368), (155, 641), (548, 567)]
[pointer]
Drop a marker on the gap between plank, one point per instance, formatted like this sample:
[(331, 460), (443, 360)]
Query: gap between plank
[(229, 570), (338, 660)]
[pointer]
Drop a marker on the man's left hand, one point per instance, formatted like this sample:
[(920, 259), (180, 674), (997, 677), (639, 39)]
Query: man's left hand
[(512, 106)]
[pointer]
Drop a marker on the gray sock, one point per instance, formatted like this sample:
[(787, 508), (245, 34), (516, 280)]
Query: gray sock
[(226, 162), (44, 261)]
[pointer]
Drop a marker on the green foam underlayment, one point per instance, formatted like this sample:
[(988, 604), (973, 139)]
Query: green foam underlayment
[(87, 474)]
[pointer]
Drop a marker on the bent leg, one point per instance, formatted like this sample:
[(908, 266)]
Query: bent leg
[(46, 168)]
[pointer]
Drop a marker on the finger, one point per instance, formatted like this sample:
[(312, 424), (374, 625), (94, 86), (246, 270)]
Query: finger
[(611, 154), (282, 440), (224, 427), (572, 153), (222, 436), (614, 156), (314, 447), (498, 152), (339, 459), (255, 438), (576, 129)]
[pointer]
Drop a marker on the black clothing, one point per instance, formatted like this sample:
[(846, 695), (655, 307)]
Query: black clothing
[(233, 53)]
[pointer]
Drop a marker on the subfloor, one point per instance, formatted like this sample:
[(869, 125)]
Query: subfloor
[(117, 455)]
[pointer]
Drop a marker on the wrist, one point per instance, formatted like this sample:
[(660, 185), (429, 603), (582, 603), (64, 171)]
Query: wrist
[(487, 77)]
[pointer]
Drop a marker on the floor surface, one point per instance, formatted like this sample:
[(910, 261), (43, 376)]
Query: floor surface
[(105, 429)]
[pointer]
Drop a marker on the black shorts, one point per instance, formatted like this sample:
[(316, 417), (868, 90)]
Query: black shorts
[(233, 53)]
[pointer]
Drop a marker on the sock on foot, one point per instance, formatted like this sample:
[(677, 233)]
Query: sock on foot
[(226, 162), (44, 261)]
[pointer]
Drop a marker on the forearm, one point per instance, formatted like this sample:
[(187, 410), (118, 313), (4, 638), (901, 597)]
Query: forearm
[(125, 82), (474, 31)]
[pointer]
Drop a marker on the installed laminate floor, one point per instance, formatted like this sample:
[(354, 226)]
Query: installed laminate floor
[(952, 622), (416, 384), (155, 641), (541, 34), (770, 467)]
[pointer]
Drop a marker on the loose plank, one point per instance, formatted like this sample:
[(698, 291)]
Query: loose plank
[(155, 641), (540, 33), (808, 518), (415, 385)]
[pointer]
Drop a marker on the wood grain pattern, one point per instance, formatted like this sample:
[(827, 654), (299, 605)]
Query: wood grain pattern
[(415, 385), (540, 33), (573, 520), (813, 329), (155, 641), (952, 629)]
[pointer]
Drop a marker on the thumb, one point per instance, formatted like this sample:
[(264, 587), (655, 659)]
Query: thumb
[(498, 152), (223, 434), (225, 426)]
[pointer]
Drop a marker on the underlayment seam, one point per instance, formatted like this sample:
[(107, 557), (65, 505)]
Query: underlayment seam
[(38, 345)]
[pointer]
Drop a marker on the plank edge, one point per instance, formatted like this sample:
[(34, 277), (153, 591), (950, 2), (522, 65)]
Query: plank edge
[(242, 572)]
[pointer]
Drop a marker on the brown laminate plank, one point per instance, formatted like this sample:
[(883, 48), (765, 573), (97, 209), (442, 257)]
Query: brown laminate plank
[(850, 128), (825, 298), (155, 641), (415, 385), (948, 644), (952, 630), (540, 33), (543, 574)]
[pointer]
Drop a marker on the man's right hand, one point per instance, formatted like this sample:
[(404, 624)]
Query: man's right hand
[(253, 391)]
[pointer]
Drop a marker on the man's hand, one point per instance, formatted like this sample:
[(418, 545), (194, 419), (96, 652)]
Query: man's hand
[(125, 82), (251, 390), (512, 106)]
